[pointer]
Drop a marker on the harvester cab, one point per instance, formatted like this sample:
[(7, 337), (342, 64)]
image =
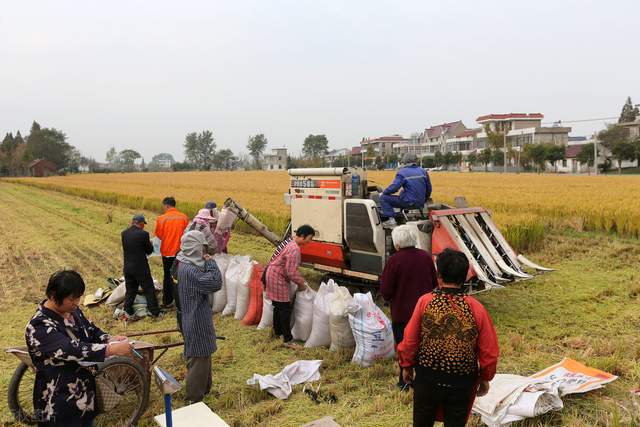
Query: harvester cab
[(351, 243)]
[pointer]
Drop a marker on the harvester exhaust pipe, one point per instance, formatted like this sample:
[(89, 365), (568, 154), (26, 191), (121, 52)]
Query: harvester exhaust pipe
[(252, 221)]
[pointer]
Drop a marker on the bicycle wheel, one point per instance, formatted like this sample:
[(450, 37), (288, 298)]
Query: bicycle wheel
[(123, 392), (20, 394)]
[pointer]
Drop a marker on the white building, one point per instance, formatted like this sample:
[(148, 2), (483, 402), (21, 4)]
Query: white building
[(275, 161)]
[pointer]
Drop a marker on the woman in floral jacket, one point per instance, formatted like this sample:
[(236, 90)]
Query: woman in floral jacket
[(59, 337)]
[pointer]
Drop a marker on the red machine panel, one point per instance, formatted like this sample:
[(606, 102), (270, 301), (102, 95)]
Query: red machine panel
[(323, 253)]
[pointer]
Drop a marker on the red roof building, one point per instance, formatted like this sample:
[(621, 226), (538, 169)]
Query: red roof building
[(42, 168)]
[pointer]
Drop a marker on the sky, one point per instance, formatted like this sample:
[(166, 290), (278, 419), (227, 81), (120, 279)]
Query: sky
[(143, 74)]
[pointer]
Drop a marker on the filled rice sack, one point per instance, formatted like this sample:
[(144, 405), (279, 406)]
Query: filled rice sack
[(303, 314), (372, 332), (320, 335)]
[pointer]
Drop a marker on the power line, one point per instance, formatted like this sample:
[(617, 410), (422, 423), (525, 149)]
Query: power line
[(581, 121)]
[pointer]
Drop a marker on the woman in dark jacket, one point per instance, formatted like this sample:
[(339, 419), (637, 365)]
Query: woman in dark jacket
[(59, 337)]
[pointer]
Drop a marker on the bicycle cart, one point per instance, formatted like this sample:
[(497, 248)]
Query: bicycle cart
[(122, 383)]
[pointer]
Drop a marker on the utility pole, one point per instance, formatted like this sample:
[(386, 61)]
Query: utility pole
[(504, 131), (595, 154)]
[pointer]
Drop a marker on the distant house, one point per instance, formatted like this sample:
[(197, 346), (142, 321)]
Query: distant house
[(434, 139), (275, 161), (522, 129), (42, 167), (333, 155), (382, 145)]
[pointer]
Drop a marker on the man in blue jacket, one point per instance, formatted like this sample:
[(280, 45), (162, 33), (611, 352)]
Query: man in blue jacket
[(416, 189)]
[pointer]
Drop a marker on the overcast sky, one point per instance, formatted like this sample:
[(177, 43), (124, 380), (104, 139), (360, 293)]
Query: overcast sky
[(141, 75)]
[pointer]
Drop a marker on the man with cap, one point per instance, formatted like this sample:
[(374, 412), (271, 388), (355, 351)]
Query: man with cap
[(416, 190), (136, 246)]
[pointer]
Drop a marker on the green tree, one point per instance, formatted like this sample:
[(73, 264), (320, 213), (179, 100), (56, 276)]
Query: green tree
[(447, 159), (256, 146), (485, 157), (629, 112), (50, 144), (472, 159), (128, 158), (224, 159), (456, 159), (495, 140), (555, 153), (199, 149), (161, 159), (112, 158), (537, 153), (438, 158), (586, 156), (428, 162), (616, 139), (622, 151), (636, 149), (315, 145)]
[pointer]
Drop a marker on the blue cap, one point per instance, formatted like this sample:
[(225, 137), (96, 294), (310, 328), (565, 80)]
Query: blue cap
[(139, 218), (210, 205)]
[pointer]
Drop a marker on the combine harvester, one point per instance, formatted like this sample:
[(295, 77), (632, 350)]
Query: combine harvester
[(352, 246)]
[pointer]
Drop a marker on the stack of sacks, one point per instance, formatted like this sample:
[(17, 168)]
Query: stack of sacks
[(372, 332), (238, 274), (320, 332), (254, 311)]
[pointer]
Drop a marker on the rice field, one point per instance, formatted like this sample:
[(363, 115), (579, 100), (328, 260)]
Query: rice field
[(523, 205), (587, 309)]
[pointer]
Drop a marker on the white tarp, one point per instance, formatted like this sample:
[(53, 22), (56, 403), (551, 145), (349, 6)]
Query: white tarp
[(513, 397), (280, 384)]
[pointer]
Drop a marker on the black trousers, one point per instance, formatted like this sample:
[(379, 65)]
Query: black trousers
[(140, 279), (429, 394), (167, 281), (198, 378), (282, 320), (398, 335)]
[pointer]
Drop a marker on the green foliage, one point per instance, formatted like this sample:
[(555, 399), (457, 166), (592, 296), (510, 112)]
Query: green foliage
[(256, 146), (629, 113), (497, 157), (315, 146), (438, 158), (485, 157), (50, 144), (224, 160), (554, 154), (199, 149), (586, 155), (428, 162), (494, 139), (537, 153), (127, 158), (472, 158)]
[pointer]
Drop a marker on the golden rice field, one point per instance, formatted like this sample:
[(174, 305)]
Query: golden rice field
[(522, 204)]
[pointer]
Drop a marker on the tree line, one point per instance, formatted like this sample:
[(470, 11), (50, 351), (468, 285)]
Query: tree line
[(17, 152)]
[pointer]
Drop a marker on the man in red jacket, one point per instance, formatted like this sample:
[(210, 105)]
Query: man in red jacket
[(451, 343), (408, 274)]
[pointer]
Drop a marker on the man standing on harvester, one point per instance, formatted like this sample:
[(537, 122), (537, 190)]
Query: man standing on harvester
[(416, 190)]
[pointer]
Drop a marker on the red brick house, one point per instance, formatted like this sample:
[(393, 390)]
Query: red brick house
[(42, 167)]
